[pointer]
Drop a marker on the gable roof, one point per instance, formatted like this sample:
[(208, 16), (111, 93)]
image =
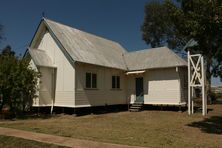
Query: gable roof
[(87, 48), (161, 57)]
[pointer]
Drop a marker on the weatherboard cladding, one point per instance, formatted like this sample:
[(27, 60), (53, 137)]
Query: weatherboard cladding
[(88, 48)]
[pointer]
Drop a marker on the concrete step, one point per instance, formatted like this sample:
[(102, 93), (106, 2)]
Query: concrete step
[(134, 110), (139, 105), (135, 107)]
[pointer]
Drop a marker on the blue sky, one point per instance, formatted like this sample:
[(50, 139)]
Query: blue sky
[(118, 20)]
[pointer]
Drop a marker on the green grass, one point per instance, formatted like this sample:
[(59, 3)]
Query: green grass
[(13, 142), (149, 128)]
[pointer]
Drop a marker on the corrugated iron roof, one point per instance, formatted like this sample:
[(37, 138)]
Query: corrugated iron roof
[(40, 58), (161, 57), (88, 48)]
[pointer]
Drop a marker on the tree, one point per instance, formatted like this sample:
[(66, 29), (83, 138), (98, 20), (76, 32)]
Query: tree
[(7, 51), (158, 30), (18, 83), (155, 24), (200, 20)]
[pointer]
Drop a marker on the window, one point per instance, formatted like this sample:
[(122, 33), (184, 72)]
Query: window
[(91, 80), (115, 82)]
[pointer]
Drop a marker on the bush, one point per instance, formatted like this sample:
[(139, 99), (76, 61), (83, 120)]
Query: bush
[(18, 83)]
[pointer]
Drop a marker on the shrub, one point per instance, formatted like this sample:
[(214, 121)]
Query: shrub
[(18, 83)]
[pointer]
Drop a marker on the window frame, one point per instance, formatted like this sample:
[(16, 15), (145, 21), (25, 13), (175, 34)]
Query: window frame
[(93, 80), (115, 82)]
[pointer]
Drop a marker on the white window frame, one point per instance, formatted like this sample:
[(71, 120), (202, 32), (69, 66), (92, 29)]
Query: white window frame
[(115, 79), (91, 80)]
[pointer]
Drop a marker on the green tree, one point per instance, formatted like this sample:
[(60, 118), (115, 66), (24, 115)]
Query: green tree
[(7, 51), (200, 20), (158, 29), (18, 83)]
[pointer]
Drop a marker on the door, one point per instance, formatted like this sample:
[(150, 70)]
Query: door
[(139, 89)]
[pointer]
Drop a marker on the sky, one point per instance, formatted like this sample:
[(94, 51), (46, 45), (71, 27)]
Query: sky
[(117, 20)]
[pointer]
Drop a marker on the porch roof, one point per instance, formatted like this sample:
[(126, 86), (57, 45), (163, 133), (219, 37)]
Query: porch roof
[(40, 58), (135, 72)]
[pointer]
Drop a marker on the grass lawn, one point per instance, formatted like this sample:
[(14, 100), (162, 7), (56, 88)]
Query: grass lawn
[(13, 142), (149, 128)]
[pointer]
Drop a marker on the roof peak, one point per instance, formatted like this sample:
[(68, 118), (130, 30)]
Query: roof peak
[(149, 49), (53, 21), (85, 47)]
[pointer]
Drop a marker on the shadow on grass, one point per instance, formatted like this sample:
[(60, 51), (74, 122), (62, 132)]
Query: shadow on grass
[(35, 116), (25, 117), (212, 125), (101, 110), (172, 108), (44, 112)]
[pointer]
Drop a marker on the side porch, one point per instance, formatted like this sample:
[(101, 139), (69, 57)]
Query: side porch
[(162, 87)]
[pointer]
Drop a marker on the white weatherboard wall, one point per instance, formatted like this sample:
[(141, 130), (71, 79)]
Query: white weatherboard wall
[(162, 86), (104, 94), (64, 73), (45, 88), (36, 99)]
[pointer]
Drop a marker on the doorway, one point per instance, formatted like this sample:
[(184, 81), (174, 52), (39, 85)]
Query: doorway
[(139, 89)]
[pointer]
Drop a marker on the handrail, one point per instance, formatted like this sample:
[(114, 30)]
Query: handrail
[(138, 98), (129, 102)]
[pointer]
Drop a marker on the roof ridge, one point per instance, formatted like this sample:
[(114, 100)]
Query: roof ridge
[(46, 19), (163, 47), (96, 44), (147, 49)]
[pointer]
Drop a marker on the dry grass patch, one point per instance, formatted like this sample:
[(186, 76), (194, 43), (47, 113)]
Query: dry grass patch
[(147, 128)]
